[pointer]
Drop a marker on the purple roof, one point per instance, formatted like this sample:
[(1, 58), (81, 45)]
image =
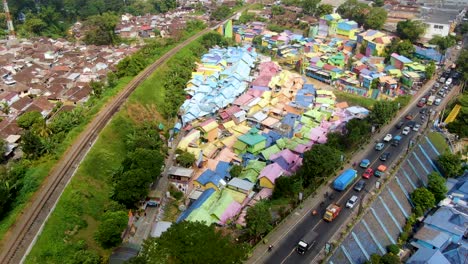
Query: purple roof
[(272, 172), (232, 210), (289, 156)]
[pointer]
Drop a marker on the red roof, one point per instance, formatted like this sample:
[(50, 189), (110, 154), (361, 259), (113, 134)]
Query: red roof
[(145, 27)]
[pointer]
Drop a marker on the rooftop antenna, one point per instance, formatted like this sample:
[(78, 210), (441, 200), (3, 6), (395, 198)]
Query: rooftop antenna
[(11, 29)]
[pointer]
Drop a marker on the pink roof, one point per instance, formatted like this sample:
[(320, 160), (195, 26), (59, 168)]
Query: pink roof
[(289, 156), (243, 99), (232, 210), (262, 81), (272, 172), (301, 148)]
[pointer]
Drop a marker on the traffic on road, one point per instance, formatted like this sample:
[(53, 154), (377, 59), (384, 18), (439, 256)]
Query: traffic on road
[(362, 178)]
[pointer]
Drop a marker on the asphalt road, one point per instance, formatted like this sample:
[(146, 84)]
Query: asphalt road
[(284, 252)]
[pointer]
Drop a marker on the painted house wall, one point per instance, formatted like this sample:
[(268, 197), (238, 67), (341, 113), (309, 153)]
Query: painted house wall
[(266, 183)]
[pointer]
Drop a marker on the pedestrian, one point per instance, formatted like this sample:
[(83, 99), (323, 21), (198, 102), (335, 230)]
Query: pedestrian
[(145, 214), (270, 247)]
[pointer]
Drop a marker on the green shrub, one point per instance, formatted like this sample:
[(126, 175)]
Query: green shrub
[(394, 249)]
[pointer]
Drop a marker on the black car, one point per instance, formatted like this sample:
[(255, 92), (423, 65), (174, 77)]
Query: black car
[(384, 156), (411, 124), (360, 185), (423, 111), (400, 125)]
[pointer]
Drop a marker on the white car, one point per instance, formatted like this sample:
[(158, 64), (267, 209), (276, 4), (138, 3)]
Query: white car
[(449, 81), (388, 137), (416, 127), (437, 101), (351, 202), (406, 130)]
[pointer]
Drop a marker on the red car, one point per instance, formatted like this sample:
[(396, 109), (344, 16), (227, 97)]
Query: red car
[(409, 117), (368, 173)]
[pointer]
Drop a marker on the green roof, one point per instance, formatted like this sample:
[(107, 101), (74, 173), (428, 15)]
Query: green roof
[(315, 114), (256, 165), (281, 143), (306, 120), (249, 174), (270, 151), (324, 100), (240, 145), (252, 139)]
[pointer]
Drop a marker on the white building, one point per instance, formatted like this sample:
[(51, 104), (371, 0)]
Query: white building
[(440, 21)]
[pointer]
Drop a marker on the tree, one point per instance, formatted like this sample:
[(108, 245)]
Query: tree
[(430, 70), (464, 28), (221, 12), (324, 9), (450, 164), (146, 159), (101, 29), (382, 112), (357, 131), (462, 63), (85, 257), (410, 29), (112, 79), (401, 47), (191, 242), (30, 119), (423, 199), (394, 249), (130, 186), (287, 187), (97, 87), (31, 144), (374, 259), (235, 170), (319, 162), (443, 43), (437, 186), (376, 18), (354, 10), (389, 258), (277, 10), (110, 229), (257, 40), (379, 3), (310, 6), (258, 220), (212, 39), (186, 159)]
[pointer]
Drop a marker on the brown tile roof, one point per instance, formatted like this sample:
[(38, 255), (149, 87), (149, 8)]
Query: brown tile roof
[(22, 103)]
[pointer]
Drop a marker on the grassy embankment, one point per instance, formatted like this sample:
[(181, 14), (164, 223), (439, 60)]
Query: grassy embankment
[(72, 225)]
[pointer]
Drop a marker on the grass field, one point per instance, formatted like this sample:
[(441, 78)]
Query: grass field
[(438, 141), (77, 214)]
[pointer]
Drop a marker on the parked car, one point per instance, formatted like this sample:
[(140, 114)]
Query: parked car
[(379, 146), (423, 111), (400, 124), (442, 80), (416, 127), (421, 102), (387, 137), (385, 156), (409, 117), (364, 163), (449, 81), (437, 85), (437, 101), (360, 185), (352, 201), (367, 173), (406, 130)]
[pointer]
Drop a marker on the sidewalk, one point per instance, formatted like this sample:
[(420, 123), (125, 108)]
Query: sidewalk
[(260, 253)]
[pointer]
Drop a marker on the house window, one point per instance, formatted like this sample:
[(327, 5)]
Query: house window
[(438, 26)]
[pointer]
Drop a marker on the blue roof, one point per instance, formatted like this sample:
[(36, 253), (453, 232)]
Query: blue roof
[(401, 58), (426, 255), (206, 176), (271, 137), (203, 197), (347, 25), (246, 157), (431, 54), (283, 163), (222, 169), (289, 119)]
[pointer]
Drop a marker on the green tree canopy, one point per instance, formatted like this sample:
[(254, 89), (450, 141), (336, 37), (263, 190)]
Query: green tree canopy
[(287, 187), (221, 12), (382, 112), (110, 229), (462, 64), (30, 119), (410, 29), (423, 198), (186, 159), (147, 159), (324, 9), (357, 130), (130, 186), (310, 6), (191, 242), (277, 10), (376, 18), (437, 186), (31, 144), (401, 47), (235, 170), (451, 164), (390, 258), (101, 29), (352, 9), (430, 70), (258, 220), (320, 162), (443, 43)]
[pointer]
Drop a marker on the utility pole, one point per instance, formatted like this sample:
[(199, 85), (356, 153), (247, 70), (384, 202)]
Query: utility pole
[(11, 29)]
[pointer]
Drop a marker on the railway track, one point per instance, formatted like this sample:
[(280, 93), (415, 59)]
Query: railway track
[(23, 233)]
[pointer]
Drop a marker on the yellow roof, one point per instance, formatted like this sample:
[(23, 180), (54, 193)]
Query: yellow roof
[(210, 126), (229, 124), (185, 141)]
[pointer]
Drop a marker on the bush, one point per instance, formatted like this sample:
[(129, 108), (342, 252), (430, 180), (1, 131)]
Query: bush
[(186, 159), (404, 237), (394, 249)]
